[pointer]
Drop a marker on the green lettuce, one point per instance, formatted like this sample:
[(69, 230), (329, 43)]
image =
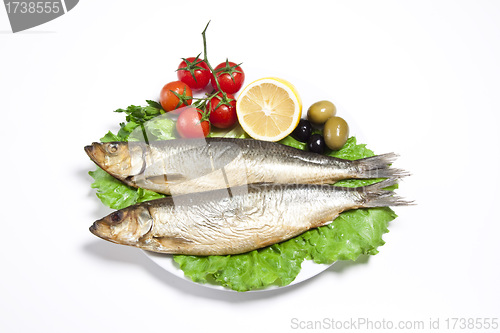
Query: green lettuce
[(115, 194), (236, 133), (352, 234)]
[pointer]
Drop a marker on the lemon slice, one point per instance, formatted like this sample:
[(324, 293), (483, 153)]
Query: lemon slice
[(269, 109)]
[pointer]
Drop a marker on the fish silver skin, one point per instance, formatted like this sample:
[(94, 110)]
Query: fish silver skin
[(249, 218), (196, 165)]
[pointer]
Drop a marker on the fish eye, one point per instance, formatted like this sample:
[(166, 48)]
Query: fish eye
[(116, 216), (113, 148)]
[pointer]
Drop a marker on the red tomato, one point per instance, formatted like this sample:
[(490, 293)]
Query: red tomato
[(230, 77), (174, 95), (189, 125), (222, 108), (194, 72)]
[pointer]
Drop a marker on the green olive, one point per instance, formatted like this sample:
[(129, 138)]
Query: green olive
[(336, 132), (320, 111)]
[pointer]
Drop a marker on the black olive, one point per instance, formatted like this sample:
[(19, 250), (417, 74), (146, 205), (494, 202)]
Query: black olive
[(316, 144), (303, 131)]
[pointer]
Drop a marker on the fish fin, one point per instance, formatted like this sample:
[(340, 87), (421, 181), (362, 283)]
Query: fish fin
[(166, 179), (375, 195), (168, 241), (379, 167), (327, 222)]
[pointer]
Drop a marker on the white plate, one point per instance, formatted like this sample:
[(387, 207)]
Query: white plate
[(309, 94)]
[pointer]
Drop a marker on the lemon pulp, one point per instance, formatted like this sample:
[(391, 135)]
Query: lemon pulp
[(269, 109)]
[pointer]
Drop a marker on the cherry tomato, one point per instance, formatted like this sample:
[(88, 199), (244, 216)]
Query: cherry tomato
[(230, 77), (194, 72), (189, 125), (174, 95), (222, 108)]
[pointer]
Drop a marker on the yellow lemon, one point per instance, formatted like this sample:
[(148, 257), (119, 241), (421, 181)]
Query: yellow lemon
[(269, 109)]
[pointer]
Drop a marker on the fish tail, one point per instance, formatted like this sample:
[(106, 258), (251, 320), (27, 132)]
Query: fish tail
[(375, 195), (379, 167)]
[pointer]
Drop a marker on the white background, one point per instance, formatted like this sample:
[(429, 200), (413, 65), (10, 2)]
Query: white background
[(420, 78)]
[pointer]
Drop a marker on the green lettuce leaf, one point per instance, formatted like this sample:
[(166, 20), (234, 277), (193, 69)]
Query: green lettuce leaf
[(236, 133), (115, 194), (352, 234), (161, 128), (278, 264), (289, 141)]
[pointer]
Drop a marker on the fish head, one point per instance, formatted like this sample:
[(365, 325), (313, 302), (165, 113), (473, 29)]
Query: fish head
[(120, 159), (126, 226)]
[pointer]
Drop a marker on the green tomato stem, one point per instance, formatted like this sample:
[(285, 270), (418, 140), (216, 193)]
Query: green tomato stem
[(205, 58)]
